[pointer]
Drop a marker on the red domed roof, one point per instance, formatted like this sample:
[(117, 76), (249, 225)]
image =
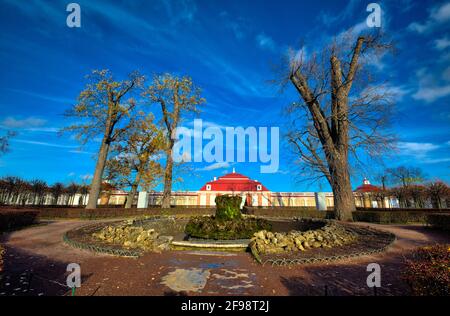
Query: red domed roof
[(234, 175), (367, 187), (234, 182)]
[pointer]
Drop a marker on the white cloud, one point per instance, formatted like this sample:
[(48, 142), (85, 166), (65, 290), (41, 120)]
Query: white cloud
[(331, 18), (32, 142), (435, 160), (353, 31), (239, 26), (215, 166), (206, 124), (178, 11), (86, 176), (417, 27), (30, 122), (391, 92), (441, 14), (236, 79), (397, 92), (438, 15), (44, 129), (265, 42), (431, 94), (416, 149), (431, 88), (442, 43), (52, 98), (81, 152), (358, 28)]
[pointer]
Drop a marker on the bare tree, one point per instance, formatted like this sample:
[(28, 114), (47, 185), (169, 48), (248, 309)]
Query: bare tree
[(14, 190), (438, 191), (38, 189), (57, 190), (103, 110), (177, 96), (406, 176), (83, 190), (402, 195), (8, 186), (3, 190), (4, 142), (380, 196), (418, 195), (383, 178), (342, 112), (71, 190)]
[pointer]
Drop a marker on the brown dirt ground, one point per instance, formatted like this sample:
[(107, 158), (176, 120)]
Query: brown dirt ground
[(37, 258)]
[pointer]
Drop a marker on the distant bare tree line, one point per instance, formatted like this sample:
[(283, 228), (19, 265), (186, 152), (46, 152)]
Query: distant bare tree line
[(17, 191), (410, 188)]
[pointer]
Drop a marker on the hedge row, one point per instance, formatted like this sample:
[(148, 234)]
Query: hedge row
[(411, 209), (308, 212), (380, 216), (99, 213), (441, 221), (34, 207), (401, 217), (385, 217), (10, 219)]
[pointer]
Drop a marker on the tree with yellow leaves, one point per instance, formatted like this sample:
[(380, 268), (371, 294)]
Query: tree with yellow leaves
[(102, 110), (177, 96), (135, 162)]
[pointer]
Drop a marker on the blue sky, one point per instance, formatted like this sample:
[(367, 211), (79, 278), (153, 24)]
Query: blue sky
[(228, 48)]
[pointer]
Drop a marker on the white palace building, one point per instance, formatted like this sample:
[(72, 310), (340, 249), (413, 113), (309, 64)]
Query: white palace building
[(253, 192)]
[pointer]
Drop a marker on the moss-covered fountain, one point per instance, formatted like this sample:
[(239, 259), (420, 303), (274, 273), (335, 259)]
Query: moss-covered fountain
[(227, 224)]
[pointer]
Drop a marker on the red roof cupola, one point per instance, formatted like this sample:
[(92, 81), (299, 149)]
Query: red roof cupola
[(367, 187), (234, 182)]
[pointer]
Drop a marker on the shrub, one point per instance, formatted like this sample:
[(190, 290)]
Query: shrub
[(10, 220), (228, 207), (300, 212), (441, 221), (417, 217), (381, 217), (428, 272), (402, 209), (119, 212), (400, 217), (211, 228)]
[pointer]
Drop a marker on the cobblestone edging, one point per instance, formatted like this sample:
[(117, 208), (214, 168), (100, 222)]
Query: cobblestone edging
[(110, 250), (388, 238), (133, 253)]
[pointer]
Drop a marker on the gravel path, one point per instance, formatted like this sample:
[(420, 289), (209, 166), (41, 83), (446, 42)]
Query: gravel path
[(37, 258)]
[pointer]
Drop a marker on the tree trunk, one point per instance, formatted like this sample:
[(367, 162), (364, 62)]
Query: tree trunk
[(132, 193), (130, 197), (97, 180), (344, 201), (165, 203)]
